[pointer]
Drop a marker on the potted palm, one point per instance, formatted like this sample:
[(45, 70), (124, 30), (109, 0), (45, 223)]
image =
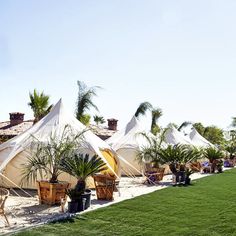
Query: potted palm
[(178, 157), (149, 154), (231, 149), (73, 203), (215, 158), (81, 167), (44, 162), (188, 172)]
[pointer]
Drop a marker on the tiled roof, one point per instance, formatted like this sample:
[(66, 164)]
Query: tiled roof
[(8, 130), (12, 130), (102, 132)]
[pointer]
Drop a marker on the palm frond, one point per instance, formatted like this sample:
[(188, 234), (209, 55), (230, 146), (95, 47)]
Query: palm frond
[(212, 153), (46, 157), (156, 114), (184, 124), (81, 166), (85, 97), (39, 103), (233, 123), (143, 108), (98, 119)]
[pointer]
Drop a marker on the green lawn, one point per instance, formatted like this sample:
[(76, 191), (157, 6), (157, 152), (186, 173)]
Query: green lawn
[(208, 207)]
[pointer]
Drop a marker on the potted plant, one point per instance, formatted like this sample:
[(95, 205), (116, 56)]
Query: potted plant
[(73, 203), (149, 156), (214, 156), (188, 172), (81, 167), (45, 162), (219, 166), (177, 157), (231, 149)]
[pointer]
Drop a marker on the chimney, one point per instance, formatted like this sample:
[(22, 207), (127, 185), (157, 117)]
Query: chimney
[(16, 118), (112, 124)]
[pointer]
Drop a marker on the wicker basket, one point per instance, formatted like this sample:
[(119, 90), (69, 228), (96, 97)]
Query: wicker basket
[(105, 186)]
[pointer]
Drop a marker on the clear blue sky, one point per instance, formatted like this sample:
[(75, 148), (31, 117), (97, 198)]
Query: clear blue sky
[(179, 55)]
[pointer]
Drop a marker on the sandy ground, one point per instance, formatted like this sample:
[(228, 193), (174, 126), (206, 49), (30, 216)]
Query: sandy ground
[(24, 212)]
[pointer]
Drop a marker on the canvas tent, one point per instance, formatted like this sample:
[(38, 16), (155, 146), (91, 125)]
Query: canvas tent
[(15, 152), (126, 143), (198, 140), (174, 137)]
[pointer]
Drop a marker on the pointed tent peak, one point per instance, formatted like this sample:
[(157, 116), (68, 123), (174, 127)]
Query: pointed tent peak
[(198, 140), (173, 136), (54, 114), (129, 136), (131, 124), (58, 105), (194, 133)]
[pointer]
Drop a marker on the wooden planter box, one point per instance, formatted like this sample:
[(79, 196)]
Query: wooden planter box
[(155, 176), (52, 193), (105, 186)]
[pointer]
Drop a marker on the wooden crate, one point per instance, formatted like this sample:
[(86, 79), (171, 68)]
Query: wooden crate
[(105, 186), (52, 193)]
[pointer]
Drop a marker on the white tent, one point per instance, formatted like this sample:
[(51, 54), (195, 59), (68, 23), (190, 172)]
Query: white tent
[(127, 142), (198, 140), (14, 152), (174, 137)]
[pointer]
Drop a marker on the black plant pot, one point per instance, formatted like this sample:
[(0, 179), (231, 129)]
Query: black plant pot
[(180, 177), (72, 207), (85, 200), (187, 181)]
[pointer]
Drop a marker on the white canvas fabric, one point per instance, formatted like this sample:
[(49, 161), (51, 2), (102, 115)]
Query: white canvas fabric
[(127, 142), (116, 139), (198, 140), (174, 137), (15, 151)]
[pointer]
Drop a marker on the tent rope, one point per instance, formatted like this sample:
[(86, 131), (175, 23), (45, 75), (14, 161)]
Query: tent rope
[(130, 165), (16, 185)]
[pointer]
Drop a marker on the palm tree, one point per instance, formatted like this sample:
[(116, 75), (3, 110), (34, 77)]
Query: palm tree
[(184, 124), (156, 114), (199, 127), (212, 154), (82, 166), (231, 149), (178, 156), (84, 102), (233, 123), (46, 157), (150, 151), (143, 108), (39, 103), (85, 119), (98, 119)]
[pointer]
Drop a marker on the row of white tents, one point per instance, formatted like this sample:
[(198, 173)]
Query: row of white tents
[(128, 141), (118, 152)]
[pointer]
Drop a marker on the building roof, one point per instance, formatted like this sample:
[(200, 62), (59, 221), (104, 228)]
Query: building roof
[(6, 129), (101, 131)]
